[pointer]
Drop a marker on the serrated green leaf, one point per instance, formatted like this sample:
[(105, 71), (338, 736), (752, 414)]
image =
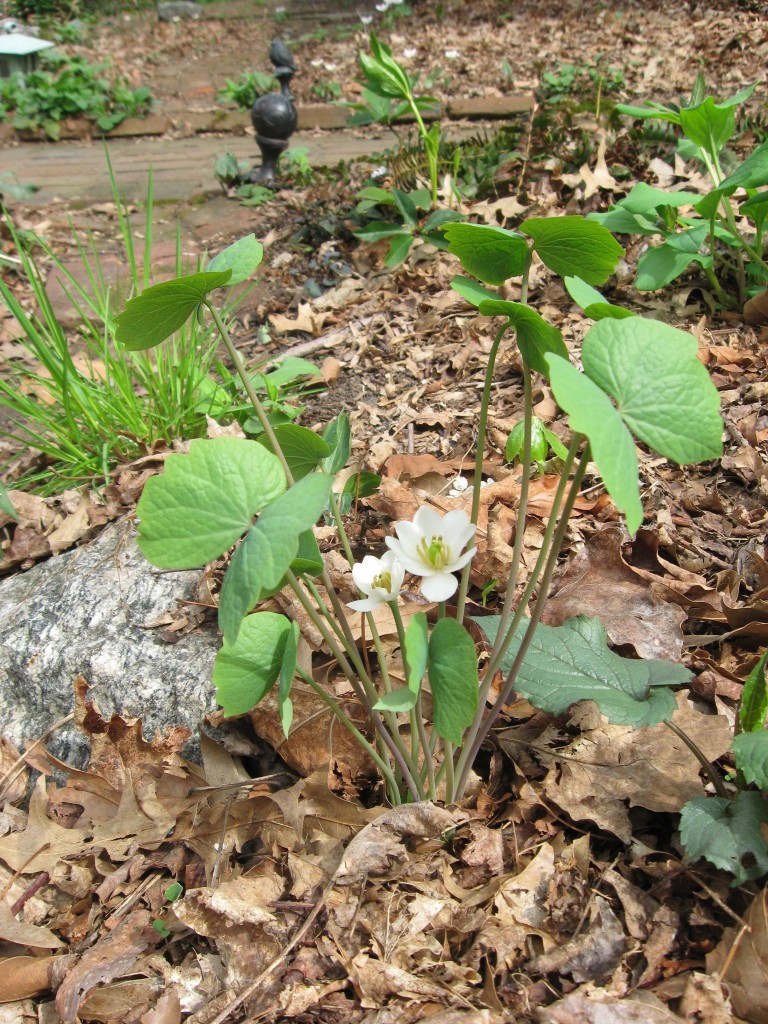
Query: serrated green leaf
[(287, 672), (663, 392), (262, 560), (491, 254), (592, 414), (205, 501), (727, 833), (470, 290), (244, 672), (754, 698), (6, 505), (535, 337), (573, 246), (751, 752), (242, 258), (303, 449), (163, 309), (416, 651), (453, 679), (568, 663)]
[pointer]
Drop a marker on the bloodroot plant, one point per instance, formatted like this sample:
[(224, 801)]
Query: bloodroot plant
[(639, 381)]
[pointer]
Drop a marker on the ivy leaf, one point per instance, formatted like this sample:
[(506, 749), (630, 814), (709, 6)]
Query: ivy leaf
[(491, 254), (303, 449), (452, 666), (245, 671), (663, 393), (535, 337), (568, 663), (262, 560), (163, 308), (242, 258), (592, 414), (574, 246), (205, 501), (728, 833)]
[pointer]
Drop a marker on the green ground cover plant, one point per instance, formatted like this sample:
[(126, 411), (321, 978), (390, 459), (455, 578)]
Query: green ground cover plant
[(725, 238), (641, 380), (245, 90), (69, 86), (90, 406)]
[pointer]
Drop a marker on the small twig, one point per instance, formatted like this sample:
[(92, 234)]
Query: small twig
[(29, 892)]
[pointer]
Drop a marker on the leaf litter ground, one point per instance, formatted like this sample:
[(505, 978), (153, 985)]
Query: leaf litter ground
[(559, 893)]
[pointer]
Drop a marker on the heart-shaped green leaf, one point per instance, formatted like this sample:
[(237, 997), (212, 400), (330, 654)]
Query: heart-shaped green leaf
[(729, 833), (491, 254), (452, 678), (262, 560), (242, 258), (163, 308), (535, 337), (573, 246), (592, 414), (245, 671), (205, 501), (663, 393)]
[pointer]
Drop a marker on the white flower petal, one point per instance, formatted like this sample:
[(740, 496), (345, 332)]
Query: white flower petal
[(439, 587), (368, 605)]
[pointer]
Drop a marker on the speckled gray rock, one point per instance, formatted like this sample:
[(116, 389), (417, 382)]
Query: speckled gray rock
[(170, 10), (86, 612)]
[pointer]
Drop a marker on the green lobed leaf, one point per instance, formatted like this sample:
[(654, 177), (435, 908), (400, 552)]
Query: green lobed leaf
[(245, 671), (727, 833), (308, 561), (568, 663), (242, 258), (398, 701), (535, 337), (592, 302), (287, 672), (617, 219), (752, 173), (644, 198), (753, 707), (491, 254), (6, 505), (262, 560), (163, 309), (416, 651), (663, 392), (303, 449), (205, 501), (751, 752), (453, 679), (592, 414), (470, 290), (661, 264), (338, 436), (573, 246), (516, 442), (709, 124)]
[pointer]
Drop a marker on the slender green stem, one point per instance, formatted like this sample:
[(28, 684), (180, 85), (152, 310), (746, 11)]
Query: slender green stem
[(450, 778), (253, 398), (712, 775), (548, 558), (340, 528), (338, 711), (418, 729), (482, 428)]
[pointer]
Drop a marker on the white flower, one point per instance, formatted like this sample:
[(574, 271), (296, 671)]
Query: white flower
[(452, 54), (431, 547), (329, 66), (366, 19), (380, 579), (409, 51)]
